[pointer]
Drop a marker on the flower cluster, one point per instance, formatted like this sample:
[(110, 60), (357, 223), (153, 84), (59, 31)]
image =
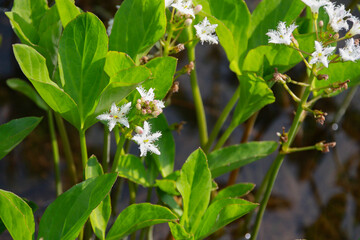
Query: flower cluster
[(147, 103), (206, 32), (338, 20)]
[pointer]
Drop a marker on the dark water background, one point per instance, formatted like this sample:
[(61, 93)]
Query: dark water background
[(316, 196)]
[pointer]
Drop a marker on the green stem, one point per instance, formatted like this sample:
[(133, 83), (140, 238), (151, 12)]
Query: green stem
[(55, 151), (106, 149), (222, 118), (84, 155), (299, 117), (199, 106), (132, 190), (225, 137), (118, 153), (294, 97), (300, 149), (67, 148)]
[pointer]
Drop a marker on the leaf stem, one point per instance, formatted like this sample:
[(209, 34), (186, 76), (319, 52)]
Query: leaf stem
[(199, 106), (106, 149), (118, 153), (84, 155), (55, 150), (299, 117), (222, 118), (67, 148)]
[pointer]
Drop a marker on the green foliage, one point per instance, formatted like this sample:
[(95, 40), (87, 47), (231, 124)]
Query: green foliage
[(101, 214), (227, 159), (179, 233), (132, 168), (26, 89), (234, 191), (254, 95), (138, 24), (16, 216), (13, 132), (65, 217), (67, 11), (268, 14), (138, 216), (194, 185)]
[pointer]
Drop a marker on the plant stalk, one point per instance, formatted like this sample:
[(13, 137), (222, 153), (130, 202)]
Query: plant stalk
[(84, 155), (67, 148), (56, 156), (106, 149)]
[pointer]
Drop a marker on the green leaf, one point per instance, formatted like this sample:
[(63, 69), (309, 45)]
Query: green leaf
[(116, 62), (278, 56), (163, 70), (168, 186), (268, 14), (30, 10), (17, 216), (169, 201), (33, 66), (222, 212), (235, 191), (254, 95), (179, 233), (138, 216), (138, 25), (100, 215), (166, 145), (340, 72), (132, 168), (23, 29), (65, 217), (26, 89), (82, 54), (13, 132), (227, 159), (50, 30), (194, 185), (232, 30), (67, 11)]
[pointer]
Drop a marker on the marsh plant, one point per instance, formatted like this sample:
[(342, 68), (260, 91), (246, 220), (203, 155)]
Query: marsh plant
[(124, 76)]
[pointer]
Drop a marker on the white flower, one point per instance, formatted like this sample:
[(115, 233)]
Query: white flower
[(185, 7), (337, 17), (110, 26), (316, 4), (116, 116), (206, 32), (282, 35), (351, 51), (145, 140), (147, 104), (168, 3), (321, 54), (355, 29), (146, 95)]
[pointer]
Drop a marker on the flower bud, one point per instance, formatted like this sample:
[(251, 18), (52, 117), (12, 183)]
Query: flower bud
[(322, 77), (188, 22), (143, 111), (156, 113), (321, 23), (139, 130), (138, 106), (190, 67), (147, 102), (180, 47), (336, 36), (149, 111), (197, 9)]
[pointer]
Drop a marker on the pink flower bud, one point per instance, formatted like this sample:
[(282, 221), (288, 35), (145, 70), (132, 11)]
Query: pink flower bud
[(138, 106), (198, 9), (143, 111), (188, 22), (139, 130)]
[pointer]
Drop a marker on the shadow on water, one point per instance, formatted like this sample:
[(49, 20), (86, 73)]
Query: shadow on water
[(316, 196)]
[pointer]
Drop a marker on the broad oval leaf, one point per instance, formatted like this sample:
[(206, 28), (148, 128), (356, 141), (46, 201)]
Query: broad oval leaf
[(227, 159), (234, 191), (138, 24), (222, 212), (33, 66), (26, 89), (82, 54), (17, 216), (138, 216), (67, 11), (116, 62), (254, 95), (13, 132), (65, 217), (194, 185), (132, 168), (268, 14), (23, 29), (100, 215)]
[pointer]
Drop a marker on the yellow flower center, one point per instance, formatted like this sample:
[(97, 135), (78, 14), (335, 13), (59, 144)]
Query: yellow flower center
[(146, 140)]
